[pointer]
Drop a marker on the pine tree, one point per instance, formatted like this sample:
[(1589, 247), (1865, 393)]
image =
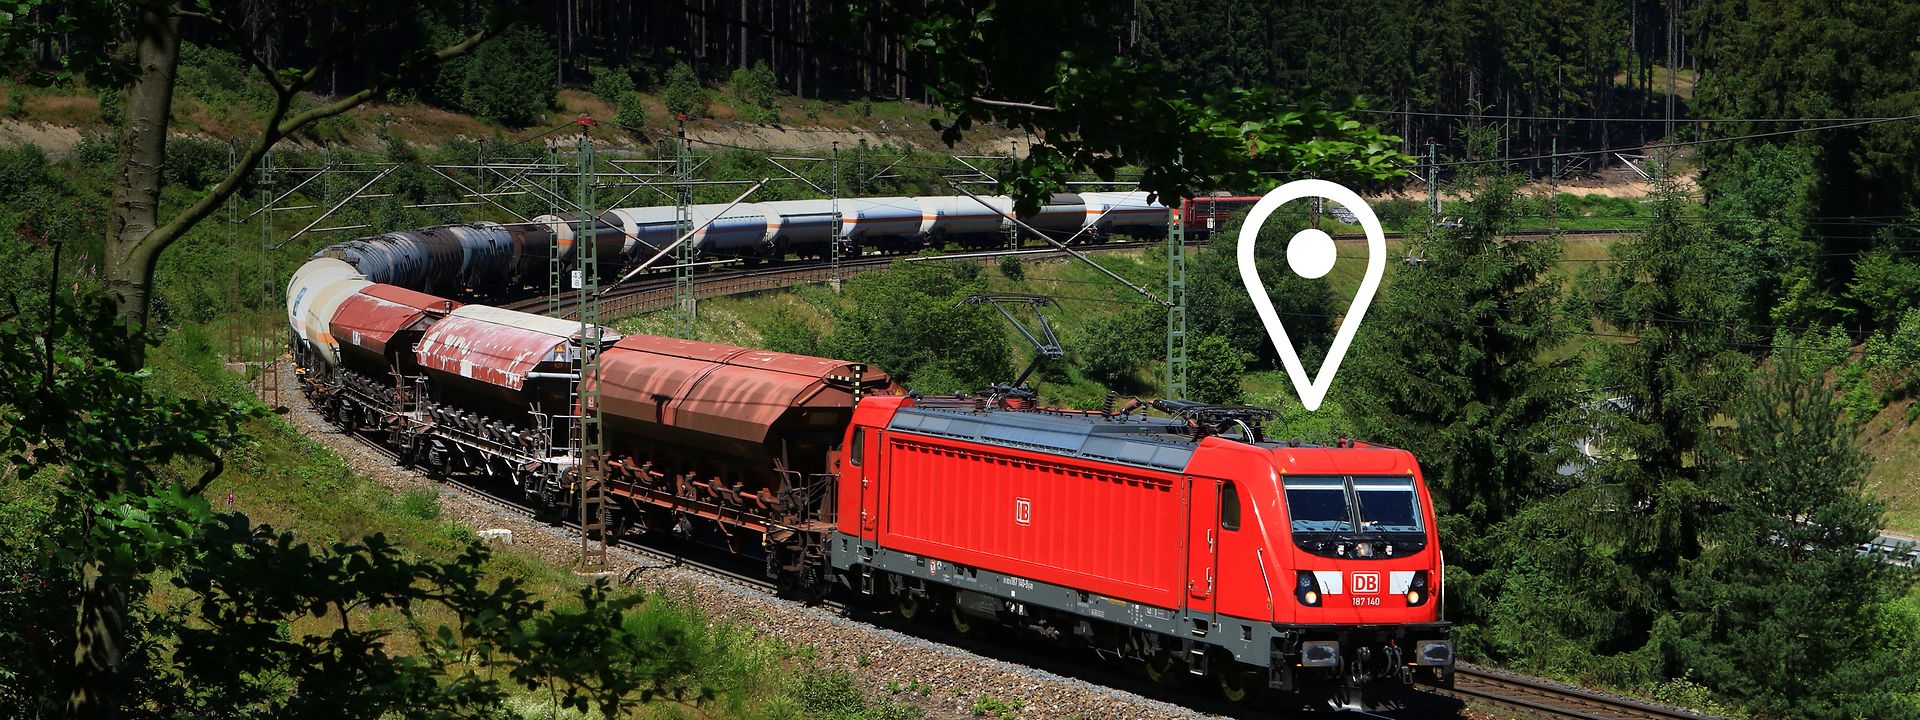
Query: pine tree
[(1781, 609), (1674, 365), (1449, 363)]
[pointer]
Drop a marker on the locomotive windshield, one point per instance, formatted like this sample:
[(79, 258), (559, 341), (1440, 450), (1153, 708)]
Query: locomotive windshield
[(1319, 505), (1387, 504), (1360, 517)]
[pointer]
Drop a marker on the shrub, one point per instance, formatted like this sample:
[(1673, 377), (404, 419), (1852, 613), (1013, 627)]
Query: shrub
[(220, 79), (96, 149), (1011, 269), (628, 112), (813, 108), (196, 162), (113, 107), (756, 93), (611, 84), (1116, 344), (1214, 368), (863, 107), (17, 101), (21, 167), (788, 332), (683, 94)]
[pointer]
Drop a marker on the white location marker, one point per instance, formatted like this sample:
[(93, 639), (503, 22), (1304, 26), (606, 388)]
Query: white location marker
[(1311, 255)]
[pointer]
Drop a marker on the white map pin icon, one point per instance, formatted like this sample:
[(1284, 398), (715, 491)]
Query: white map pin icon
[(1313, 259)]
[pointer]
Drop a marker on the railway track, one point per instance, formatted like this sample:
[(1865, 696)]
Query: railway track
[(655, 292), (1535, 697), (1517, 694)]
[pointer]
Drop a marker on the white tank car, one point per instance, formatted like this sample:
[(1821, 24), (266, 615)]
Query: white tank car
[(739, 232), (880, 217), (1063, 215), (797, 223), (314, 293), (1123, 212), (647, 230), (612, 236), (958, 215)]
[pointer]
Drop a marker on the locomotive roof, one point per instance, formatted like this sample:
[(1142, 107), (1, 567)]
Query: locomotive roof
[(1158, 443)]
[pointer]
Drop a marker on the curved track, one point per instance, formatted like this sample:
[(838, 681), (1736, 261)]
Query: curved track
[(1512, 693), (655, 291)]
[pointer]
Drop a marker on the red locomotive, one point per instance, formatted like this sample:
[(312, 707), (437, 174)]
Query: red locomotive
[(1187, 543)]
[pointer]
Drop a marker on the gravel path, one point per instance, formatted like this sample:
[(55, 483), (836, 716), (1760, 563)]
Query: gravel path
[(875, 656)]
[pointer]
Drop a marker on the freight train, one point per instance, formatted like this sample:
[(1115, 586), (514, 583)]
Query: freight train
[(493, 259), (1186, 545)]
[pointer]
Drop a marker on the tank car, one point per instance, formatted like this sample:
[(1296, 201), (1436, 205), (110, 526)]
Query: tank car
[(468, 257), (804, 227), (965, 221), (1123, 213), (887, 224), (314, 292)]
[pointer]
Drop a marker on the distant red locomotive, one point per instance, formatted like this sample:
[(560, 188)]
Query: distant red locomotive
[(1188, 544)]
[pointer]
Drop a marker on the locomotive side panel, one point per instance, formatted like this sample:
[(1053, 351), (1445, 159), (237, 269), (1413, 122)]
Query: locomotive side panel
[(1097, 527)]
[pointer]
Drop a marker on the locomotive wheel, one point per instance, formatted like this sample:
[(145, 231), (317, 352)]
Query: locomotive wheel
[(961, 624), (909, 606), (1235, 682), (1161, 668)]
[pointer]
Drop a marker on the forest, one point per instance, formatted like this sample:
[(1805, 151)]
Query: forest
[(1729, 351)]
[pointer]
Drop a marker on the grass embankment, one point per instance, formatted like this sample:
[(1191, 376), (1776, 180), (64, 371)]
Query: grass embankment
[(1893, 439), (284, 479)]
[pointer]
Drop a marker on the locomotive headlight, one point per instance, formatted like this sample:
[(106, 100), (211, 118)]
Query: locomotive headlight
[(1417, 590), (1307, 589)]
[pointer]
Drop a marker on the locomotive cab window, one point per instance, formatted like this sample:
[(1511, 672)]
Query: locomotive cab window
[(1318, 505), (1229, 506), (1387, 504), (859, 442)]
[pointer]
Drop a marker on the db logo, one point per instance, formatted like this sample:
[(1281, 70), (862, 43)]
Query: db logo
[(1022, 511), (1366, 583)]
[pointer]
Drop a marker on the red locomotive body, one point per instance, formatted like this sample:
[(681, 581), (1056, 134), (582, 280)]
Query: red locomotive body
[(1260, 564)]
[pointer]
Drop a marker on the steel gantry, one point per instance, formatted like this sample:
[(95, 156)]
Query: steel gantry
[(586, 387)]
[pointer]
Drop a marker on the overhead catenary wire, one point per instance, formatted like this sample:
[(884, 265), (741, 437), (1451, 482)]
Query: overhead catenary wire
[(1572, 118)]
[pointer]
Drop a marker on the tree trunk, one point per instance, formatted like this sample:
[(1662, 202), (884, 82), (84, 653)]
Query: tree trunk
[(100, 627), (136, 185)]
